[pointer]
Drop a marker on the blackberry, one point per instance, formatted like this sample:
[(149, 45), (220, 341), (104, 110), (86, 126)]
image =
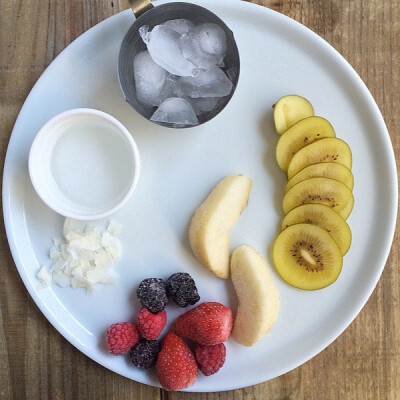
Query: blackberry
[(145, 353), (152, 294), (182, 289)]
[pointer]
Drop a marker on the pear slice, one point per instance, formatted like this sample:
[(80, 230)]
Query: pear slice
[(291, 109), (301, 134), (209, 230), (258, 297)]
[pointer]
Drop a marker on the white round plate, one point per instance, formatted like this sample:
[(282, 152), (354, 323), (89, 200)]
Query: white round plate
[(278, 57)]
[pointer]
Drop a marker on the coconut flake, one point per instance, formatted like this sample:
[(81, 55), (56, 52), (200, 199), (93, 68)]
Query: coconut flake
[(112, 245), (113, 227), (57, 241), (55, 253), (84, 257), (44, 277), (60, 278)]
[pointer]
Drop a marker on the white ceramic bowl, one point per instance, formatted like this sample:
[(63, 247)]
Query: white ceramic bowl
[(84, 164)]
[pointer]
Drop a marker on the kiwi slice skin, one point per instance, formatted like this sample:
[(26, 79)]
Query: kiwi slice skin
[(301, 134), (306, 257), (323, 170), (324, 217), (324, 150), (330, 192)]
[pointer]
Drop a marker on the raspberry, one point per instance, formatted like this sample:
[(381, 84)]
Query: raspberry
[(182, 288), (151, 325), (152, 294), (210, 358), (121, 337), (145, 353)]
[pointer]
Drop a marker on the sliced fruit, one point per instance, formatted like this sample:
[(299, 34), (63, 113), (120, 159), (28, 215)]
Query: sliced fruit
[(324, 150), (258, 297), (323, 170), (324, 217), (330, 192), (307, 257), (304, 132), (291, 109), (209, 231)]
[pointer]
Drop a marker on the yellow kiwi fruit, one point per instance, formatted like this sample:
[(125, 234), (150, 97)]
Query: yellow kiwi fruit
[(304, 132), (330, 192), (307, 257), (324, 150), (290, 109), (324, 217), (323, 170)]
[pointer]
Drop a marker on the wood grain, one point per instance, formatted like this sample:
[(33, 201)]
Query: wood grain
[(36, 362)]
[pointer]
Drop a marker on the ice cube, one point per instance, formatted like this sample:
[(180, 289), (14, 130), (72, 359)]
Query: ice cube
[(163, 44), (211, 83), (150, 79), (169, 87), (203, 104), (204, 45), (175, 111), (180, 25)]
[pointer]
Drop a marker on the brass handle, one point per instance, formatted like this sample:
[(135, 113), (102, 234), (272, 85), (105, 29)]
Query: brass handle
[(139, 7)]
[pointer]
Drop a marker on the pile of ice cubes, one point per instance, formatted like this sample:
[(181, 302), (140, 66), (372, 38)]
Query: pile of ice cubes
[(180, 72)]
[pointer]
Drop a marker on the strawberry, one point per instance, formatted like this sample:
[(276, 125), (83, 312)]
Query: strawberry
[(176, 365), (210, 358), (151, 325), (208, 323)]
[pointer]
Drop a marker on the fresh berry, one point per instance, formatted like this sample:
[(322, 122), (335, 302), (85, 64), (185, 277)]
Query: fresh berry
[(145, 353), (210, 358), (150, 325), (208, 323), (176, 365), (182, 289), (121, 337), (152, 294)]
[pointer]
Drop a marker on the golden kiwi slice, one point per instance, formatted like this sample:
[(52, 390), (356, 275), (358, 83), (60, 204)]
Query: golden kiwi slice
[(323, 170), (304, 132), (307, 257), (290, 109), (324, 217), (324, 150), (330, 192)]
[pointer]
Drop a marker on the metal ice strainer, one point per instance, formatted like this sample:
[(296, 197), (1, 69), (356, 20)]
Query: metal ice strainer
[(147, 14)]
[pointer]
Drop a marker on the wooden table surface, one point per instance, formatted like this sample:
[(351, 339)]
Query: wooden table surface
[(36, 362)]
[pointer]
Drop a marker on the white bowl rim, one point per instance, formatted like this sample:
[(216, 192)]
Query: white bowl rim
[(42, 134)]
